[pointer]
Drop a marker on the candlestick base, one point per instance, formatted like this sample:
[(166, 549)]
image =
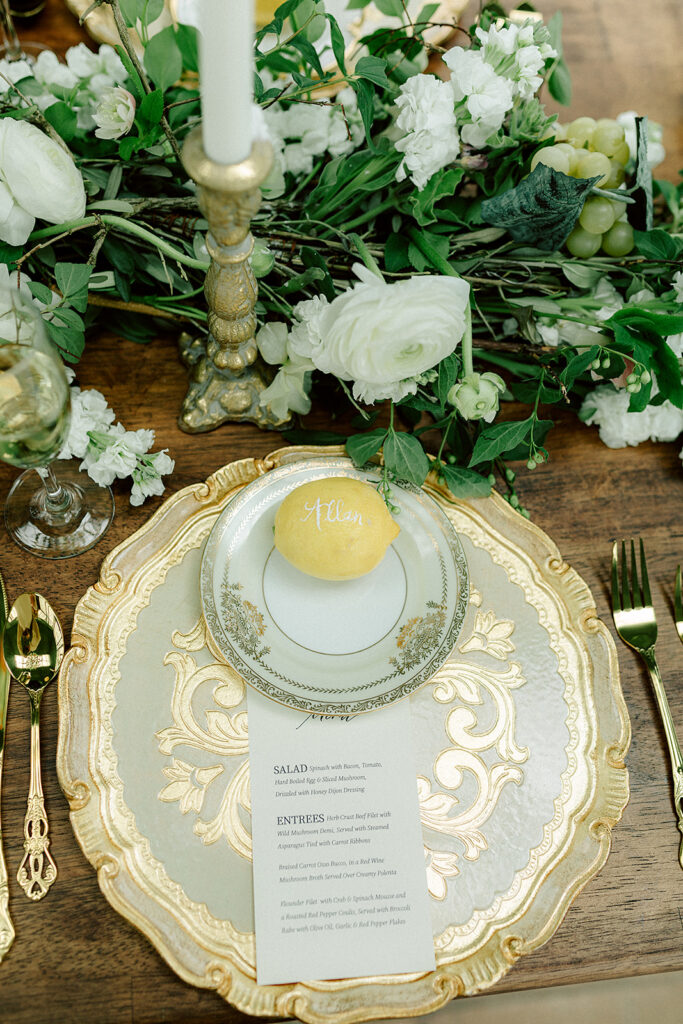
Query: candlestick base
[(227, 378), (216, 396)]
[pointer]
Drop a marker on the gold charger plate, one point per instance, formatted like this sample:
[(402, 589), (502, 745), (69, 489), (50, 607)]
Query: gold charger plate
[(519, 743)]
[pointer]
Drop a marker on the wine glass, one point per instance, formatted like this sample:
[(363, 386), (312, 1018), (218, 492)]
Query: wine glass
[(12, 49), (53, 510)]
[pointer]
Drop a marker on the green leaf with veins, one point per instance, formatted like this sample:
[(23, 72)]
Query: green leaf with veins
[(405, 457), (542, 209)]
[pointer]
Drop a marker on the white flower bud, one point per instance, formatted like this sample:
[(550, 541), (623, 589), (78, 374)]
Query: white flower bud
[(115, 113)]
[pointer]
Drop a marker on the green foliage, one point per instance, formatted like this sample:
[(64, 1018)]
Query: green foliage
[(404, 457), (542, 209), (163, 59)]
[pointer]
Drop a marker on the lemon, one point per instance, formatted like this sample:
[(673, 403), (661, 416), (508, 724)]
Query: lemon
[(336, 528)]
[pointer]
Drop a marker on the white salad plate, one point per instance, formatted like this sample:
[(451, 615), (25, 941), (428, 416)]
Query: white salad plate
[(333, 647)]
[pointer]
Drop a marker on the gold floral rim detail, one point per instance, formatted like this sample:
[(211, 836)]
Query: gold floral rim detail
[(98, 816)]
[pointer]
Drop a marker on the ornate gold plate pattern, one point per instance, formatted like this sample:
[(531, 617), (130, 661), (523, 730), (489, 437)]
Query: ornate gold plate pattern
[(324, 647), (519, 742)]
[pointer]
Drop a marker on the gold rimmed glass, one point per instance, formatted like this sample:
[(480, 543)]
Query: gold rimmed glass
[(53, 510)]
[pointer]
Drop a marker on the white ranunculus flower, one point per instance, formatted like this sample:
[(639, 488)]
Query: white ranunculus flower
[(115, 113), (430, 138), (38, 179), (383, 336), (618, 427)]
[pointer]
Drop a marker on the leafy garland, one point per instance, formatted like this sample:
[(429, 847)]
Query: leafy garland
[(483, 217)]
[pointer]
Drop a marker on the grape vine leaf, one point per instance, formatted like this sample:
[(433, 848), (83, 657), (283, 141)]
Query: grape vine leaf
[(542, 209)]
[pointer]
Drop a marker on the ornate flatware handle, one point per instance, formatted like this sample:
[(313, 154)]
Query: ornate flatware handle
[(37, 870), (673, 746), (6, 926)]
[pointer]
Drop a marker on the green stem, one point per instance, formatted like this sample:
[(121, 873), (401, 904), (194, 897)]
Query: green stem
[(366, 256), (467, 358), (130, 227)]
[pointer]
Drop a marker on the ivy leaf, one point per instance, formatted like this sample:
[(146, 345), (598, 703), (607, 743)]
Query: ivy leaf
[(542, 209), (373, 68), (465, 483), (405, 457), (500, 438), (361, 447), (163, 59)]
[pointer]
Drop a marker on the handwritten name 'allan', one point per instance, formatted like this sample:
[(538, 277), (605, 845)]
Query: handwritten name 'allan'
[(332, 511)]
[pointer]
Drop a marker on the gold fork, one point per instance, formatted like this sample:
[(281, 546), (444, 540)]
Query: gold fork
[(678, 604), (634, 617)]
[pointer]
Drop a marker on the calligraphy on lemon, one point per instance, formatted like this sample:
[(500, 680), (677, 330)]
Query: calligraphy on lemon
[(337, 528)]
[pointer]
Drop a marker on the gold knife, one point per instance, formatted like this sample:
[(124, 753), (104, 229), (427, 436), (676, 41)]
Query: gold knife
[(6, 927)]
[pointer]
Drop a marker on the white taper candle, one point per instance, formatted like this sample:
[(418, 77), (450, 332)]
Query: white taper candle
[(226, 78)]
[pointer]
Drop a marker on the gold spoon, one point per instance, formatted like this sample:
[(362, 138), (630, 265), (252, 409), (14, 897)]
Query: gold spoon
[(33, 647)]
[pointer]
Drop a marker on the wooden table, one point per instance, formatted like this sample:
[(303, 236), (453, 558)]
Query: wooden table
[(74, 959)]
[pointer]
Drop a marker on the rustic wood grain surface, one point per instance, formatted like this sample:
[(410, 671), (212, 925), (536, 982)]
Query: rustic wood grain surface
[(74, 959)]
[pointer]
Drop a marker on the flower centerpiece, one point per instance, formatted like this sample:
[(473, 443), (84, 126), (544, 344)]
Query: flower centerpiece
[(432, 241)]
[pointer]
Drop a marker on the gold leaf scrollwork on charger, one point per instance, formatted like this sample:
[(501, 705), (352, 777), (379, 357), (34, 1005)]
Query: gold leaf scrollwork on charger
[(479, 725)]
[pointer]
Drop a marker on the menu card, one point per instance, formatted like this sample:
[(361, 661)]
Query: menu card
[(340, 888)]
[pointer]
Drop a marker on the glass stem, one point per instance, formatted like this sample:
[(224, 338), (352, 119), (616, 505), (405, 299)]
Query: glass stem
[(57, 498), (14, 51)]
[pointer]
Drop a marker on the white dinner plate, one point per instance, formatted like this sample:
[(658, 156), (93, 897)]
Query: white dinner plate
[(333, 647)]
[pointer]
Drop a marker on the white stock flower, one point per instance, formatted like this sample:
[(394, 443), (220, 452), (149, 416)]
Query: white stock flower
[(89, 411), (528, 47), (86, 63), (618, 427), (147, 476), (272, 342), (655, 150), (677, 283), (115, 113), (14, 70), (50, 71), (302, 131), (427, 119), (383, 336), (483, 94), (38, 179)]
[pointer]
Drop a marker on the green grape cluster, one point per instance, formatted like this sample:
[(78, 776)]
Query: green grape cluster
[(587, 148)]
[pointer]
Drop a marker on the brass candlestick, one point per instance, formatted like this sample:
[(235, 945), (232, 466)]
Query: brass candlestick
[(226, 375)]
